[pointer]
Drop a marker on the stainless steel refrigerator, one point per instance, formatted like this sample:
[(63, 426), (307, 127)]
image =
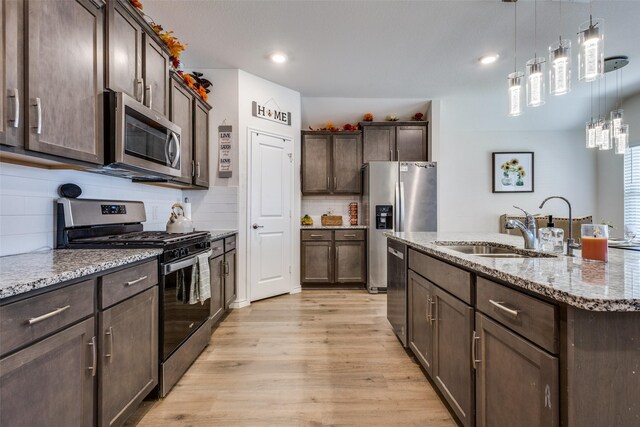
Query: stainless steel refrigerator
[(397, 197)]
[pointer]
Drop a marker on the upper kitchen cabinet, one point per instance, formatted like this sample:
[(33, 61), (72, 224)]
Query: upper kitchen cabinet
[(331, 163), (137, 61), (11, 76), (64, 78), (404, 141), (181, 113), (201, 143), (124, 51)]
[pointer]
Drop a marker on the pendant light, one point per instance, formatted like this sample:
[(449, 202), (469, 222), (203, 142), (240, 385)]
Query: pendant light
[(560, 64), (591, 52), (622, 141), (535, 70), (514, 80), (591, 127), (599, 123)]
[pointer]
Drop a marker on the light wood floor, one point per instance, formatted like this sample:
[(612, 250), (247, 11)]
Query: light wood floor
[(311, 359)]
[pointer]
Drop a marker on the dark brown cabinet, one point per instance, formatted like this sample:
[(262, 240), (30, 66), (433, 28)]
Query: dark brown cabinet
[(201, 143), (64, 79), (230, 287), (333, 257), (452, 368), (124, 51), (516, 382), (51, 382), (216, 268), (421, 319), (128, 357), (406, 141), (155, 75), (11, 73), (181, 113), (331, 162)]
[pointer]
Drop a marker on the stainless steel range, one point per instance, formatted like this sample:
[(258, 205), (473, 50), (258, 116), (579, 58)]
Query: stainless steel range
[(84, 223)]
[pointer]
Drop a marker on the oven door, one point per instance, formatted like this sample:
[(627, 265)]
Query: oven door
[(145, 139), (180, 315)]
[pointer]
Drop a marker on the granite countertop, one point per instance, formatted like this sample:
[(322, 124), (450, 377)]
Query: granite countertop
[(334, 227), (586, 284), (36, 270), (220, 234)]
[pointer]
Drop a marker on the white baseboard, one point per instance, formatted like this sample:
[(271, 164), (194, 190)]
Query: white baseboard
[(240, 303), (296, 290)]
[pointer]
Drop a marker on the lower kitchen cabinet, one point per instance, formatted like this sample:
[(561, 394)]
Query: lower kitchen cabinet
[(230, 287), (421, 319), (452, 368), (333, 257), (52, 381), (216, 272), (128, 343)]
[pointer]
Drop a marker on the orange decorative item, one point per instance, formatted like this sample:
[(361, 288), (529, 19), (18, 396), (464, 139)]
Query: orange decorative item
[(189, 81), (347, 126), (368, 117), (202, 92), (595, 239), (417, 116), (136, 4)]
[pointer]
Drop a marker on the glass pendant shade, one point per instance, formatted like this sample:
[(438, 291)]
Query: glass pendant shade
[(515, 93), (591, 134), (536, 82), (607, 142), (598, 132), (616, 122), (591, 53), (560, 67), (622, 141)]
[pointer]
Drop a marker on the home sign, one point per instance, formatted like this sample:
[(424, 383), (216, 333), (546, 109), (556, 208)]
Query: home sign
[(268, 113)]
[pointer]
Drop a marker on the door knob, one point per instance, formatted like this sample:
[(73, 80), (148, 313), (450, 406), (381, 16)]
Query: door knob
[(256, 226)]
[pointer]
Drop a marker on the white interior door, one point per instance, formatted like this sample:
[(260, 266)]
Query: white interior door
[(270, 219)]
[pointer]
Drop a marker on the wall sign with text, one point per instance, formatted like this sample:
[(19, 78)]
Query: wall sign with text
[(224, 151), (267, 112)]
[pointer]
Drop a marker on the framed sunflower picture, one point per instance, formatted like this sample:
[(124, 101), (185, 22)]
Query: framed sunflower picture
[(512, 172)]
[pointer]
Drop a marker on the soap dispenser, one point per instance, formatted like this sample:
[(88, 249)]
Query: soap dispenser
[(551, 238)]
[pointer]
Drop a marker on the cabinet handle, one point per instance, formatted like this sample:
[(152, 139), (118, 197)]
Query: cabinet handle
[(349, 235), (227, 269), (328, 185), (38, 319), (398, 154), (426, 311), (38, 126), (147, 98), (140, 90), (509, 311), (15, 96), (193, 168), (390, 154), (335, 182), (432, 303), (315, 235), (222, 269), (198, 168), (474, 359), (109, 333), (94, 356), (133, 282)]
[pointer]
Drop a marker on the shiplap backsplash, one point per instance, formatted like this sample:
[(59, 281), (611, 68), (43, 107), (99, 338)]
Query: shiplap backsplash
[(27, 197), (316, 206), (215, 209)]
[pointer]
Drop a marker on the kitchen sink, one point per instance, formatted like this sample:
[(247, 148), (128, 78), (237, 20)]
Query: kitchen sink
[(490, 251)]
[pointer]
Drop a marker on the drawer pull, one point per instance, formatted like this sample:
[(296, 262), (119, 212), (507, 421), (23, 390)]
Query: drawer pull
[(432, 302), (34, 320), (509, 311), (133, 282), (109, 332), (316, 235), (94, 357), (349, 235), (474, 351)]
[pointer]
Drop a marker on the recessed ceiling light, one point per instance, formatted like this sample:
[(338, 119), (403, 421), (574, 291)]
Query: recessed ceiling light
[(489, 59), (278, 57)]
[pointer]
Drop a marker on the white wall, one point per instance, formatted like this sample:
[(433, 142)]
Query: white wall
[(316, 206), (27, 197), (252, 88), (217, 208)]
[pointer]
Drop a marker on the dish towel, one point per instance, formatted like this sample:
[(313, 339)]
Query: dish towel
[(181, 292), (200, 279)]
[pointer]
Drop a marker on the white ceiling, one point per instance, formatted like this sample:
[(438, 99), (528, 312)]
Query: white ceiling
[(396, 49)]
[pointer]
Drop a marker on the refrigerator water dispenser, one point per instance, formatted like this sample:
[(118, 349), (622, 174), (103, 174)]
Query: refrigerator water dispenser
[(384, 217)]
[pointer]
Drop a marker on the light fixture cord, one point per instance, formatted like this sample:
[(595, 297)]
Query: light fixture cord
[(591, 84), (515, 37), (535, 29)]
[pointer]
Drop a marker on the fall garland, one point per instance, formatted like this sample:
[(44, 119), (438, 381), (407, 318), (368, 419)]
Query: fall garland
[(193, 80)]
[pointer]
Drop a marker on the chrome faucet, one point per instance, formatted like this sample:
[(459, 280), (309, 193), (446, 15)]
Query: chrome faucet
[(571, 243), (528, 229)]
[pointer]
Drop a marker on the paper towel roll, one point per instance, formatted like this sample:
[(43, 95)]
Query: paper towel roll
[(187, 209)]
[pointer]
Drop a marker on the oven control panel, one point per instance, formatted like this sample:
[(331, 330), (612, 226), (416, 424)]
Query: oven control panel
[(113, 209)]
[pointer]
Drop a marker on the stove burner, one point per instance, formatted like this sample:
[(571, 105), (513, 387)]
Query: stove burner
[(151, 237)]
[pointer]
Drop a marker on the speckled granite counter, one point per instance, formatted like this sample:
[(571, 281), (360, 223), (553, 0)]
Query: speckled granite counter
[(36, 270), (333, 227), (220, 234), (586, 284)]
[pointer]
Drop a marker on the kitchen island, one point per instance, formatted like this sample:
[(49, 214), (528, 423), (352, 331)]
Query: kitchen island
[(524, 338)]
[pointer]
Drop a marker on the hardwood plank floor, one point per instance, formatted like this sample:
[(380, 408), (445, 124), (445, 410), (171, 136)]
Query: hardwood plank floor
[(322, 357)]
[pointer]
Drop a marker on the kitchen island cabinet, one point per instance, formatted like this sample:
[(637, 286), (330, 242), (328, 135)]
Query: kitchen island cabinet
[(510, 347)]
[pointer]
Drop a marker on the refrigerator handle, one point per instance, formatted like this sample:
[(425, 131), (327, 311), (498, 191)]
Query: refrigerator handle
[(396, 207), (401, 216)]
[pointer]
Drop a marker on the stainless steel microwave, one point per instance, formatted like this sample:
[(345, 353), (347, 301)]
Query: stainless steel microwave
[(140, 143)]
